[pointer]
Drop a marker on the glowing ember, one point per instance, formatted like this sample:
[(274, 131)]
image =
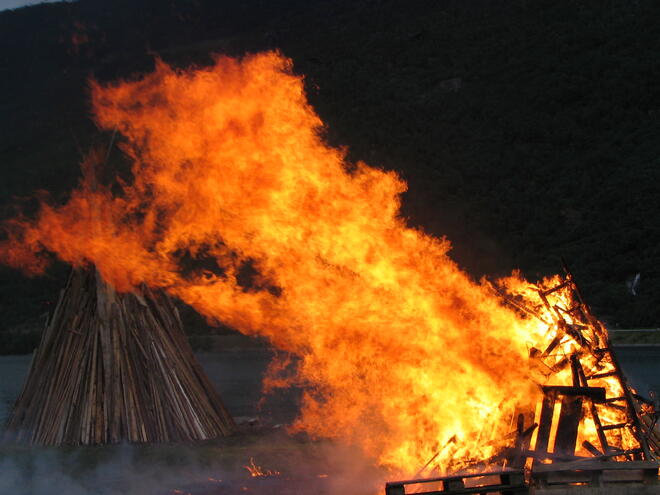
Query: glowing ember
[(400, 352), (256, 471)]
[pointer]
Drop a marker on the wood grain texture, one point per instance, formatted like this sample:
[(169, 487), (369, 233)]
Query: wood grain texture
[(115, 367)]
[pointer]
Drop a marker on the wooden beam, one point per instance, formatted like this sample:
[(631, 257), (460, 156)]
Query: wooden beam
[(597, 394), (569, 421)]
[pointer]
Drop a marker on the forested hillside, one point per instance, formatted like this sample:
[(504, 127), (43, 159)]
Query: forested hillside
[(527, 130)]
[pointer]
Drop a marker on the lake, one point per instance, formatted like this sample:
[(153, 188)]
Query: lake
[(217, 468), (237, 374)]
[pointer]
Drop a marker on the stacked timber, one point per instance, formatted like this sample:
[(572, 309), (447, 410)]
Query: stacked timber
[(115, 367), (543, 455), (625, 423)]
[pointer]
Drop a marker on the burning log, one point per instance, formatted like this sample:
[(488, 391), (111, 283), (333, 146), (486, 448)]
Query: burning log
[(115, 367), (569, 418), (579, 340), (561, 450)]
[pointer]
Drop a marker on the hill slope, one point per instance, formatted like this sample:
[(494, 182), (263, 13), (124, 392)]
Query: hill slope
[(527, 130)]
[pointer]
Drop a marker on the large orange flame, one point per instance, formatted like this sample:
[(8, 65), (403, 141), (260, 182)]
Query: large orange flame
[(399, 351)]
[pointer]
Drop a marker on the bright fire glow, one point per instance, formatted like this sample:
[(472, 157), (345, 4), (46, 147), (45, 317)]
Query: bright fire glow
[(240, 209), (257, 472)]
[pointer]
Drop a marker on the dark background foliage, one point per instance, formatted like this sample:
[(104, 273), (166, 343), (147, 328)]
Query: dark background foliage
[(528, 130)]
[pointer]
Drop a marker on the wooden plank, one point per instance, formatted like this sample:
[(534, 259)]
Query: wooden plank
[(597, 394), (504, 482), (511, 302), (567, 429), (591, 448), (647, 476), (565, 283), (575, 371), (552, 346), (599, 476), (560, 365), (507, 472), (616, 426), (589, 465), (545, 421), (394, 489), (606, 374), (602, 439)]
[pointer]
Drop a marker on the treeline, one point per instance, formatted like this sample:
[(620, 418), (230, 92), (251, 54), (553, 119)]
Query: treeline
[(527, 130)]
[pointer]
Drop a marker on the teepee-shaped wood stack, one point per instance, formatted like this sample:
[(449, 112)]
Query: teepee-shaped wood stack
[(115, 367)]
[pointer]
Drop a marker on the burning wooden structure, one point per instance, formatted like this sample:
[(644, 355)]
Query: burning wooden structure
[(115, 367), (590, 428)]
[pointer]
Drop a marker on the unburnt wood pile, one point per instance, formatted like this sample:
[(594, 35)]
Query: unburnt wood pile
[(115, 367)]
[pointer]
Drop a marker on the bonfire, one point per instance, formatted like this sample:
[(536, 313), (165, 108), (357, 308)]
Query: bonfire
[(400, 352), (587, 414)]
